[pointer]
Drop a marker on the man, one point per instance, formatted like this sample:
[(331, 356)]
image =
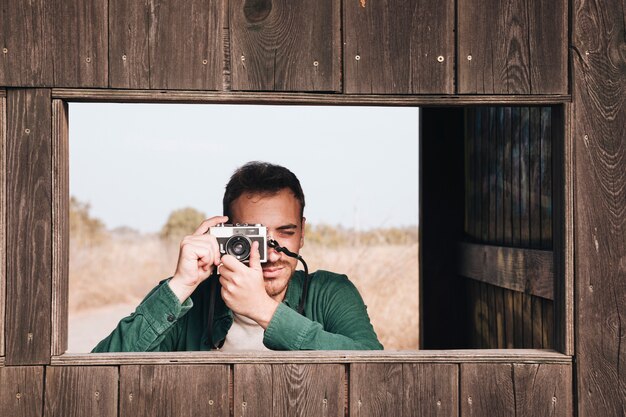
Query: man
[(255, 308)]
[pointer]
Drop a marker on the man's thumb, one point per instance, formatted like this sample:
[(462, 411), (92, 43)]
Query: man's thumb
[(255, 257)]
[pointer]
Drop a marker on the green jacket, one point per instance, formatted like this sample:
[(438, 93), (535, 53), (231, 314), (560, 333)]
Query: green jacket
[(335, 318)]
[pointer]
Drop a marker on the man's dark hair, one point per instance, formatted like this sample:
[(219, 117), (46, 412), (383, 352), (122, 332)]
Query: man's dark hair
[(262, 178)]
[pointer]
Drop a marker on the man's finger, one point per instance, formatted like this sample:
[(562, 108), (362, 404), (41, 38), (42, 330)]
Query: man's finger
[(204, 227), (255, 257)]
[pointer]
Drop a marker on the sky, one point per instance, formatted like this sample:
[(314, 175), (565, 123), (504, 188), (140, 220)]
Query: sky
[(136, 163)]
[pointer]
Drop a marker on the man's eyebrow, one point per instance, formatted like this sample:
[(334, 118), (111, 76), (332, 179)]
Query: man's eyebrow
[(287, 226)]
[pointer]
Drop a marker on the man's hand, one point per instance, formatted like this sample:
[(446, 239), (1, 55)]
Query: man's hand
[(243, 288), (199, 254)]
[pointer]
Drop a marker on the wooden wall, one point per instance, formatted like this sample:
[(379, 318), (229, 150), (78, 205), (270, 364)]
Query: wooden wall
[(508, 226), (411, 52)]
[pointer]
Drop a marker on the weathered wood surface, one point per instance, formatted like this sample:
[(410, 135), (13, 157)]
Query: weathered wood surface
[(376, 396), (515, 390), (512, 47), (253, 390), (517, 269), (162, 44), (412, 356), (380, 58), (80, 43), (77, 391), (174, 390), (598, 120), (21, 391), (3, 166), (430, 390), (285, 45), (26, 56), (29, 227), (60, 226)]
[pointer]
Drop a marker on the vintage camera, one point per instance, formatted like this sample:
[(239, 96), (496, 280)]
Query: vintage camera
[(236, 239)]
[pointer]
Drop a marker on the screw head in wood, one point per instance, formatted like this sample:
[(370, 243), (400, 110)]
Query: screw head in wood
[(123, 57), (18, 395), (469, 57), (97, 394), (243, 58), (5, 51), (210, 402), (440, 58), (204, 62), (30, 335), (325, 401), (438, 403), (88, 60), (358, 57), (316, 64), (244, 404)]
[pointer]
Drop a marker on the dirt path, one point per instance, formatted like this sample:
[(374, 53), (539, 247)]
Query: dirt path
[(88, 327)]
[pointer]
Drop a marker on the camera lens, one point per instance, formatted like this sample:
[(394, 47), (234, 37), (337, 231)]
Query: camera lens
[(239, 247)]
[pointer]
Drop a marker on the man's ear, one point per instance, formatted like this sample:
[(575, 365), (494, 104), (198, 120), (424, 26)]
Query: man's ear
[(303, 228)]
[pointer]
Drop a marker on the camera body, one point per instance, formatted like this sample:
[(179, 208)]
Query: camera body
[(236, 239)]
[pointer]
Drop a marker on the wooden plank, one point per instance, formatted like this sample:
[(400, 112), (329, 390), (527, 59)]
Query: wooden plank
[(180, 390), (493, 326), (3, 211), (509, 319), (515, 47), (598, 118), (534, 179), (500, 139), (527, 321), (484, 303), (487, 390), (60, 226), (537, 323), (484, 173), (126, 96), (518, 317), (253, 390), (430, 390), (468, 143), (543, 390), (312, 357), (26, 59), (529, 270), (21, 391), (548, 324), (516, 206), (80, 39), (478, 218), (81, 391), (563, 240), (285, 45), (475, 314), (507, 179), (500, 315), (29, 227), (129, 43), (380, 58), (376, 389), (546, 178), (524, 178), (493, 175), (308, 390)]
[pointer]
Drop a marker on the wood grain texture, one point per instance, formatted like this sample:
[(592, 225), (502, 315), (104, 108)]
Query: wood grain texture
[(516, 390), (80, 43), (253, 390), (316, 357), (430, 390), (60, 226), (77, 391), (376, 389), (379, 57), (21, 391), (308, 390), (528, 270), (512, 47), (598, 120), (29, 227), (160, 45), (174, 390), (285, 45), (3, 218), (26, 55)]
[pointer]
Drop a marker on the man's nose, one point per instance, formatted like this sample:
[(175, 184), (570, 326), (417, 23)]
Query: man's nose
[(272, 255)]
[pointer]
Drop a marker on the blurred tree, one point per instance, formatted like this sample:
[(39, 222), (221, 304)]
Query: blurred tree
[(182, 222), (84, 227)]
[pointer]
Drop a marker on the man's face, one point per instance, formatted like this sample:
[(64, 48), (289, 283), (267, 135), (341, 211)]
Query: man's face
[(280, 213)]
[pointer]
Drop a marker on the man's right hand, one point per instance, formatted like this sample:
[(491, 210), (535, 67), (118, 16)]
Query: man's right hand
[(199, 254)]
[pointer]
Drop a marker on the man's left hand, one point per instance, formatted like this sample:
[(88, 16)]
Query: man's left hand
[(243, 288)]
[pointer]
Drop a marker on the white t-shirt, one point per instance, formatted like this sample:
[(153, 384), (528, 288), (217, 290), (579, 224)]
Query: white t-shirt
[(244, 334)]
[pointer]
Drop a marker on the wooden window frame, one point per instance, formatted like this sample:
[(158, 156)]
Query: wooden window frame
[(563, 235)]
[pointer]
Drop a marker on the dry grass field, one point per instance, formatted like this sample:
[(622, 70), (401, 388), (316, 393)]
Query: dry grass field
[(110, 276)]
